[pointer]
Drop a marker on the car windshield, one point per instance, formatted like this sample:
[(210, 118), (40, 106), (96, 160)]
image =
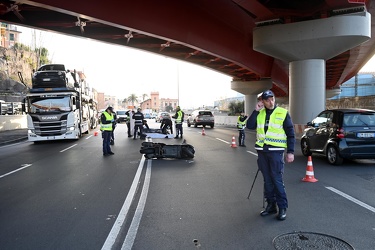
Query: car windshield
[(205, 113), (49, 104), (359, 119), (120, 112)]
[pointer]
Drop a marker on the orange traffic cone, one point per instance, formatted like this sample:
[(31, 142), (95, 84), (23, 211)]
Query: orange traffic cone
[(309, 171), (203, 133), (234, 142), (96, 133)]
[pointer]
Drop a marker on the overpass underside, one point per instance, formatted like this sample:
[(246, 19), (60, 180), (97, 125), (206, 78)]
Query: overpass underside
[(297, 48)]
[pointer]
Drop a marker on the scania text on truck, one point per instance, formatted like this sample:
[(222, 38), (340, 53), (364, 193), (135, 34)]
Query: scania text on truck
[(59, 105)]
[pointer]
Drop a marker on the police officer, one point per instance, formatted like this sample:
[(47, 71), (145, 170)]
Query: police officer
[(106, 126), (127, 121), (138, 123), (241, 124), (179, 116), (275, 134)]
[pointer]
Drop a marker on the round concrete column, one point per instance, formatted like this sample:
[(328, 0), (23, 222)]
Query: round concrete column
[(307, 93), (251, 89), (250, 102)]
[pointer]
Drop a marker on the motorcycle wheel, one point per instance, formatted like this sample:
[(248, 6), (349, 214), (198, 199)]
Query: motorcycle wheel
[(187, 152)]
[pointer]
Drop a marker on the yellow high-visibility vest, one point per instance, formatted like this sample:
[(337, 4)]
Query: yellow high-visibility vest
[(275, 135)]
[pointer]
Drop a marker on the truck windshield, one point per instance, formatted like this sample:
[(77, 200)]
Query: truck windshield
[(49, 104)]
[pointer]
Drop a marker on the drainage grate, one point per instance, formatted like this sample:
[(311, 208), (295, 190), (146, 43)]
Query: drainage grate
[(306, 241)]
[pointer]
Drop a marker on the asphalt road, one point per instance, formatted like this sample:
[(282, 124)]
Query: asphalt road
[(66, 195)]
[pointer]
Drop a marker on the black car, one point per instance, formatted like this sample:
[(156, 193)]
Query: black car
[(341, 134)]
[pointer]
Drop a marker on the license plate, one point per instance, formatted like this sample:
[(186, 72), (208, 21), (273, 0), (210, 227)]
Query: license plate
[(46, 79), (50, 137), (365, 135)]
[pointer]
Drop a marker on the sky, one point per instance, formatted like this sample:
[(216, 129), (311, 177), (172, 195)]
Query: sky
[(120, 71)]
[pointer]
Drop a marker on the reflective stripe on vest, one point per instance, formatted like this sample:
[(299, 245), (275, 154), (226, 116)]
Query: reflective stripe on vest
[(275, 135), (107, 127)]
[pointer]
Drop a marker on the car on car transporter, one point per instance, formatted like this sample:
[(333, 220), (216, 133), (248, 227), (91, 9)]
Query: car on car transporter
[(341, 134)]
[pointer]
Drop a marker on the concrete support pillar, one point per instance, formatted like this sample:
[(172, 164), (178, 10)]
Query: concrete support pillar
[(307, 92), (306, 46), (251, 89), (250, 102)]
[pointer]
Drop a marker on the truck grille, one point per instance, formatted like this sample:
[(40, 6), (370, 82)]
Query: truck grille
[(50, 128)]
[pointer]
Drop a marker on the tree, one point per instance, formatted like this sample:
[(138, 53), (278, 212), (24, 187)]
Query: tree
[(132, 99), (236, 107), (144, 97), (169, 108)]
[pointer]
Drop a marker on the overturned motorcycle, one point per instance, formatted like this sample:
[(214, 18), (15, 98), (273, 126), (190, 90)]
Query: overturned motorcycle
[(161, 150)]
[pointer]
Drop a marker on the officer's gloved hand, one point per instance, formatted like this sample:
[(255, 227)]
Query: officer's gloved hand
[(112, 120)]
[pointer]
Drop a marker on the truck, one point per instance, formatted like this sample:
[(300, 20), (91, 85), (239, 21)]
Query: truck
[(59, 105)]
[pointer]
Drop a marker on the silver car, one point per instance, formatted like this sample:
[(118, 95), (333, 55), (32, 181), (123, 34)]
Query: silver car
[(201, 118)]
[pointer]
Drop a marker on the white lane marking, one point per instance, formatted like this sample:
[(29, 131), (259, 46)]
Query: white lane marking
[(222, 140), (14, 171), (110, 241), (252, 153), (362, 204), (89, 137), (68, 148), (132, 233)]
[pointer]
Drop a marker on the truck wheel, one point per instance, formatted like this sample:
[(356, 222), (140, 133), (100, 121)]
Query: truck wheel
[(187, 152)]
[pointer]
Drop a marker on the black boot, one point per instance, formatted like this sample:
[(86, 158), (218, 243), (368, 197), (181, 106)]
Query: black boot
[(270, 209), (282, 214)]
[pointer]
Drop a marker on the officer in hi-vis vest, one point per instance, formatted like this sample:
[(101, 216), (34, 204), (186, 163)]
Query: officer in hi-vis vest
[(275, 135), (106, 126), (241, 124)]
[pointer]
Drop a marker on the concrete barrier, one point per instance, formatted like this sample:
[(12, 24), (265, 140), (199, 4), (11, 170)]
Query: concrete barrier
[(11, 122)]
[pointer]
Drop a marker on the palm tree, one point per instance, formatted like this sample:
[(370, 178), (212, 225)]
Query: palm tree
[(144, 97), (132, 98)]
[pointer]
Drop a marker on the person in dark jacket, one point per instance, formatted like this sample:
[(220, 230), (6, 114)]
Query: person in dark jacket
[(114, 124), (165, 124), (275, 135), (138, 123)]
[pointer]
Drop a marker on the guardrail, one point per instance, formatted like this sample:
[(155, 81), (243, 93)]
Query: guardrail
[(11, 122)]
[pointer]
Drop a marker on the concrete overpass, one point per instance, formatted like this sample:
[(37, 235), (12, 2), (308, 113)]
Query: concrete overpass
[(301, 49)]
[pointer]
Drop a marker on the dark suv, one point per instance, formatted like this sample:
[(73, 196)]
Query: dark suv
[(341, 134)]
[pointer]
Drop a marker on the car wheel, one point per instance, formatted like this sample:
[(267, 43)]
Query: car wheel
[(195, 124), (305, 148), (333, 156), (212, 126)]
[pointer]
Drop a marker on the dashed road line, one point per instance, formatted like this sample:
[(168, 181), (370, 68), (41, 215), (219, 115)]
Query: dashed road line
[(352, 199)]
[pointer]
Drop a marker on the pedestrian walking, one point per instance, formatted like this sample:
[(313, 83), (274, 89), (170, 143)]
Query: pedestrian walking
[(106, 126), (274, 135)]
